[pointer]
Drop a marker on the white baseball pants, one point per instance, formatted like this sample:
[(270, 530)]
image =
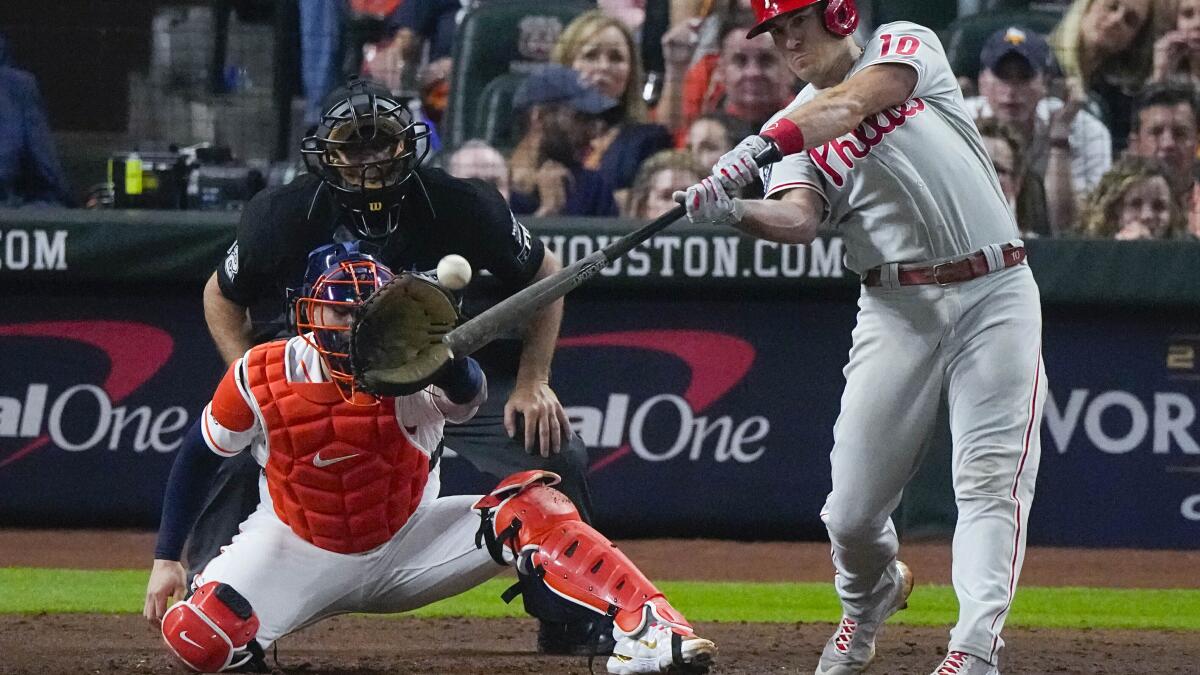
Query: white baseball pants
[(979, 343), (291, 583)]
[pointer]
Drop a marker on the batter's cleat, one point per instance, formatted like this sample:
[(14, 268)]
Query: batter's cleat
[(962, 663), (660, 648), (592, 637), (852, 647)]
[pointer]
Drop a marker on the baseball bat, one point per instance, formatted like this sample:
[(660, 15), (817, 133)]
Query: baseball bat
[(477, 332)]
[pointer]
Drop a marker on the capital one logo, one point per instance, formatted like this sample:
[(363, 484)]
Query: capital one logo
[(716, 363), (83, 415)]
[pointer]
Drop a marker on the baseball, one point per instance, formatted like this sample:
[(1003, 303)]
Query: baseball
[(454, 272)]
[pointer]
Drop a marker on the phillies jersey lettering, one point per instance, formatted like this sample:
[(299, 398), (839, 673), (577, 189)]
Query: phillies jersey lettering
[(912, 183), (868, 135)]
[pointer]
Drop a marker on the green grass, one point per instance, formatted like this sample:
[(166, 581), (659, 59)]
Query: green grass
[(37, 590)]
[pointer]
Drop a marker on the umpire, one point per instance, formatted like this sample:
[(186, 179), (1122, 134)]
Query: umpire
[(366, 182)]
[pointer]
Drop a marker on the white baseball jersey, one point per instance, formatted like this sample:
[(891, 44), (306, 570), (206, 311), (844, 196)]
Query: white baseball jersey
[(907, 184)]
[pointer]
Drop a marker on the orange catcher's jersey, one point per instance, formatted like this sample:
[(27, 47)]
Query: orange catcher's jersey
[(913, 183), (343, 477)]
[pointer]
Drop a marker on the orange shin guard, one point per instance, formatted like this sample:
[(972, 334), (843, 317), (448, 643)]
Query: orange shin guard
[(527, 521)]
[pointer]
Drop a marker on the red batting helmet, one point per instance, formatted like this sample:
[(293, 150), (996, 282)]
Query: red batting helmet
[(841, 16)]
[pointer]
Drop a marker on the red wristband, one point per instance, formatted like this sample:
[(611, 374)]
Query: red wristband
[(785, 134)]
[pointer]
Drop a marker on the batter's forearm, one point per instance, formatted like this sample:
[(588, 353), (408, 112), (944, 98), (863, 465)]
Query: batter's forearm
[(228, 323), (840, 109), (826, 117), (778, 220)]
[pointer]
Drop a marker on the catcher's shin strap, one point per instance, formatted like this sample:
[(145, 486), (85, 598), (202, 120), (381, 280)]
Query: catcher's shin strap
[(542, 531), (951, 271)]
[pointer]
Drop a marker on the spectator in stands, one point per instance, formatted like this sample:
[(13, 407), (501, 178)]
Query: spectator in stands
[(321, 47), (1192, 231), (1067, 147), (400, 61), (420, 22), (1164, 127), (1107, 46), (602, 50), (1021, 183), (558, 116), (29, 168), (1177, 51), (477, 159), (712, 135), (659, 177), (1133, 201), (749, 81)]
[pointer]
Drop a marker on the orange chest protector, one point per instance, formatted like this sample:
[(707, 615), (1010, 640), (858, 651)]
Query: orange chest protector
[(343, 477)]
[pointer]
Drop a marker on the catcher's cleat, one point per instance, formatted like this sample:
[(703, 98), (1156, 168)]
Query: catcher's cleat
[(962, 663), (660, 647), (852, 647), (591, 637)]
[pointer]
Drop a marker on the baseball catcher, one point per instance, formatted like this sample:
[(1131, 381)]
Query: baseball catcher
[(350, 519)]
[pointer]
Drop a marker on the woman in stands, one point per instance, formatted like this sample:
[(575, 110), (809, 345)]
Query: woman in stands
[(601, 49), (660, 176), (1108, 45), (1177, 51), (1133, 201)]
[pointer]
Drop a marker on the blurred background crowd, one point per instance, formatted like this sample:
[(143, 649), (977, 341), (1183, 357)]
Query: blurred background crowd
[(578, 107)]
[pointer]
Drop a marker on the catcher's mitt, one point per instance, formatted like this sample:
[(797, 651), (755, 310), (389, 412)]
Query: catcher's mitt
[(396, 344)]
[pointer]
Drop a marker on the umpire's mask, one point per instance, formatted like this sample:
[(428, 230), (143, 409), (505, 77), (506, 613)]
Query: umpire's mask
[(366, 147)]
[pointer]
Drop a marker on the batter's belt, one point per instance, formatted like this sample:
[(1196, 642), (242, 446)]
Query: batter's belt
[(949, 272)]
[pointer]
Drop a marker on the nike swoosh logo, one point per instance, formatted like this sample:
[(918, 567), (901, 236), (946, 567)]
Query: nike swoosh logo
[(322, 463), (652, 644), (183, 636)]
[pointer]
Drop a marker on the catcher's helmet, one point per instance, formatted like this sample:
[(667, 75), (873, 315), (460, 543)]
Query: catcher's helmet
[(366, 148), (339, 279), (841, 16)]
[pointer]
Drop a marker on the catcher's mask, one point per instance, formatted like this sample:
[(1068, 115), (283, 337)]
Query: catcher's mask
[(339, 279), (366, 148)]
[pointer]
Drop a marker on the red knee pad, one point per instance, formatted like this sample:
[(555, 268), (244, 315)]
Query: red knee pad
[(207, 630), (575, 561)]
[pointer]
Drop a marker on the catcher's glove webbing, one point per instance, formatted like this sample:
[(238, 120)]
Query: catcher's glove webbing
[(396, 344)]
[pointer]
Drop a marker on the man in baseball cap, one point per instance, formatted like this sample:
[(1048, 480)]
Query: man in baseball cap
[(1067, 147), (555, 84), (557, 115)]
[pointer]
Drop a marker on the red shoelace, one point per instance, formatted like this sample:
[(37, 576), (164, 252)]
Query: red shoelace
[(953, 663), (845, 634)]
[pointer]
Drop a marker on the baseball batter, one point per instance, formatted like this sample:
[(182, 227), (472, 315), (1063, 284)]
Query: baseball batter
[(879, 148), (350, 519)]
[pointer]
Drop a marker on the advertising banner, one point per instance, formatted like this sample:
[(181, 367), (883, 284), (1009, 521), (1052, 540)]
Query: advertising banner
[(703, 371), (706, 416)]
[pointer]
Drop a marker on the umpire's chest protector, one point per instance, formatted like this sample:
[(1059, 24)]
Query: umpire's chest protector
[(343, 477)]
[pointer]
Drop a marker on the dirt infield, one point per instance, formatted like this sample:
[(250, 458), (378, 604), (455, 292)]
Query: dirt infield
[(109, 645)]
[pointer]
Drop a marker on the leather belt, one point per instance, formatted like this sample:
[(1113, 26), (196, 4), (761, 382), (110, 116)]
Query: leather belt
[(949, 272)]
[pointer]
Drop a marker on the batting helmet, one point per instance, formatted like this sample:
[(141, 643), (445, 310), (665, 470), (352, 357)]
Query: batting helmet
[(841, 16), (339, 279), (366, 147)]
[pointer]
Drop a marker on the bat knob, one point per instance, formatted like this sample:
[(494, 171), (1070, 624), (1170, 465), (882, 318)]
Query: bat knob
[(769, 154)]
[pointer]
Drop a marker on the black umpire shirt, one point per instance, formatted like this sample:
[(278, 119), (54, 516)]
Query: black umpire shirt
[(281, 225)]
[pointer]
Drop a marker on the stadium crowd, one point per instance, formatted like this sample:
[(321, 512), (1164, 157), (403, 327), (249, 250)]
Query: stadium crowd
[(1092, 126)]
